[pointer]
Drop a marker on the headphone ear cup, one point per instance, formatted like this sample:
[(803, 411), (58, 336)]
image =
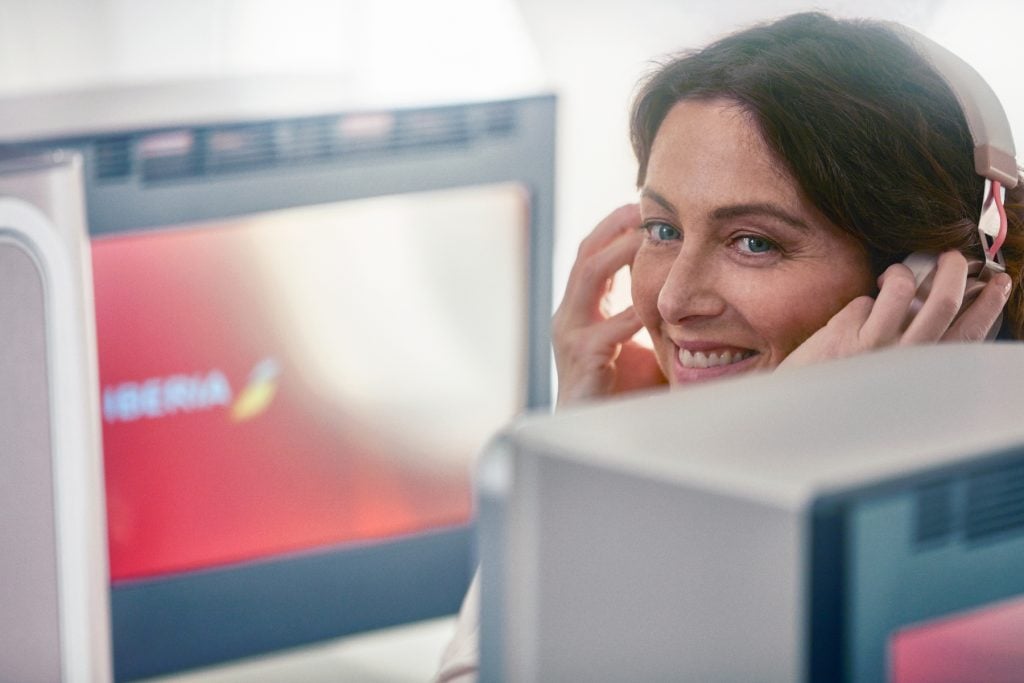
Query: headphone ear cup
[(922, 265), (977, 277)]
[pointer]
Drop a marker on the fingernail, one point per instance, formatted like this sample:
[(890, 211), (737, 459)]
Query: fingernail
[(1007, 284)]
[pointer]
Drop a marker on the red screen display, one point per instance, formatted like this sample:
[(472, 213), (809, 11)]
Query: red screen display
[(304, 378), (985, 644)]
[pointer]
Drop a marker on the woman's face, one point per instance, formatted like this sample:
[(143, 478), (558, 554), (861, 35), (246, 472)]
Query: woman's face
[(736, 268)]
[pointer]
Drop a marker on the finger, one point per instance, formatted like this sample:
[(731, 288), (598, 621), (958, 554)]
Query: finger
[(854, 314), (622, 219), (895, 294), (981, 315), (838, 338), (585, 360), (601, 340), (622, 326), (597, 336), (943, 302), (589, 280)]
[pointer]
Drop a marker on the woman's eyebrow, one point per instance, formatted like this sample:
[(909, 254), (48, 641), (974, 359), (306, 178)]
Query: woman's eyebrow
[(724, 213), (732, 211), (654, 196)]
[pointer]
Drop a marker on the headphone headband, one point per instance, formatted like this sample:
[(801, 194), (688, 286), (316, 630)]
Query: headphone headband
[(995, 156)]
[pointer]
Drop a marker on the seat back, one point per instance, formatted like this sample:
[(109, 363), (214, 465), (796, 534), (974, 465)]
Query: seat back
[(54, 595)]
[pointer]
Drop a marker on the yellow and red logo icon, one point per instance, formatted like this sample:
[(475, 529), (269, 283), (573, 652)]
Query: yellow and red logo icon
[(258, 392)]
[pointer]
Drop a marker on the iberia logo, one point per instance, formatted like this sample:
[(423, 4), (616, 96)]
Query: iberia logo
[(259, 391), (158, 397)]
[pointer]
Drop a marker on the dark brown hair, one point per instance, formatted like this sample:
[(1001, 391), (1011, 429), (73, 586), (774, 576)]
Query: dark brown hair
[(871, 133)]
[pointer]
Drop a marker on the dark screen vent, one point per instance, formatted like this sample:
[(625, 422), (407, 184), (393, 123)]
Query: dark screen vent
[(500, 119), (302, 140), (431, 128), (114, 157), (352, 137), (995, 502), (236, 148)]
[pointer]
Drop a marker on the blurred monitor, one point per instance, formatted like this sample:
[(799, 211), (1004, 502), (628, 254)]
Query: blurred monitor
[(307, 327), (54, 599), (859, 521)]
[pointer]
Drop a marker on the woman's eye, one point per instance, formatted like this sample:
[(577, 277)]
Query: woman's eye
[(662, 232), (755, 245)]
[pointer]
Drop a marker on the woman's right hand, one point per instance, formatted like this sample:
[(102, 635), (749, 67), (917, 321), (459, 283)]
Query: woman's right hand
[(594, 353), (867, 323)]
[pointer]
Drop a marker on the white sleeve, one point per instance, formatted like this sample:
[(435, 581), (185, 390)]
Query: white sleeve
[(461, 659)]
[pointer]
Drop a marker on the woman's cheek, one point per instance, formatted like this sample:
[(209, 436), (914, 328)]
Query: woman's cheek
[(799, 317)]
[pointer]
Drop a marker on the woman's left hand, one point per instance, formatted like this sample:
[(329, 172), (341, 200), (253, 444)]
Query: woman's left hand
[(595, 355), (868, 323)]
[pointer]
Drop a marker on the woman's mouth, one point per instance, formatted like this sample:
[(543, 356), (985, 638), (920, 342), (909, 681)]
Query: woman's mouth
[(710, 362), (712, 359)]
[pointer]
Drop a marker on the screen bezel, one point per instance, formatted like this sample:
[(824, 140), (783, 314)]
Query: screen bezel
[(203, 617), (832, 580)]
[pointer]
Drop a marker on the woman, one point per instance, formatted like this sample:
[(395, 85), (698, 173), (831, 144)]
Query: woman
[(784, 173)]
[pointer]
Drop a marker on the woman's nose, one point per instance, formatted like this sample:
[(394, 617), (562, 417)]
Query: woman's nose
[(691, 289)]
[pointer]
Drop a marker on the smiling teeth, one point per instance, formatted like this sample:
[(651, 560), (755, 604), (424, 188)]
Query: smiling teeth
[(711, 360)]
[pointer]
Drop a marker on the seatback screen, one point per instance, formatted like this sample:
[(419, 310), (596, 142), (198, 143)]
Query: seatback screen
[(310, 377)]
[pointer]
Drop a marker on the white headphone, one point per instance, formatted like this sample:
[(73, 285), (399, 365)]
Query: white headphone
[(995, 156)]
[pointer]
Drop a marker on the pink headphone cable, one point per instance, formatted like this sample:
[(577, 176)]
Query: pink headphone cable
[(997, 197)]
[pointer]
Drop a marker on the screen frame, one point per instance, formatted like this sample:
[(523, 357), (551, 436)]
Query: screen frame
[(198, 618), (832, 577)]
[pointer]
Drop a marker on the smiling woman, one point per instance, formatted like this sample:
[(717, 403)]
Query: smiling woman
[(785, 172), (736, 267)]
